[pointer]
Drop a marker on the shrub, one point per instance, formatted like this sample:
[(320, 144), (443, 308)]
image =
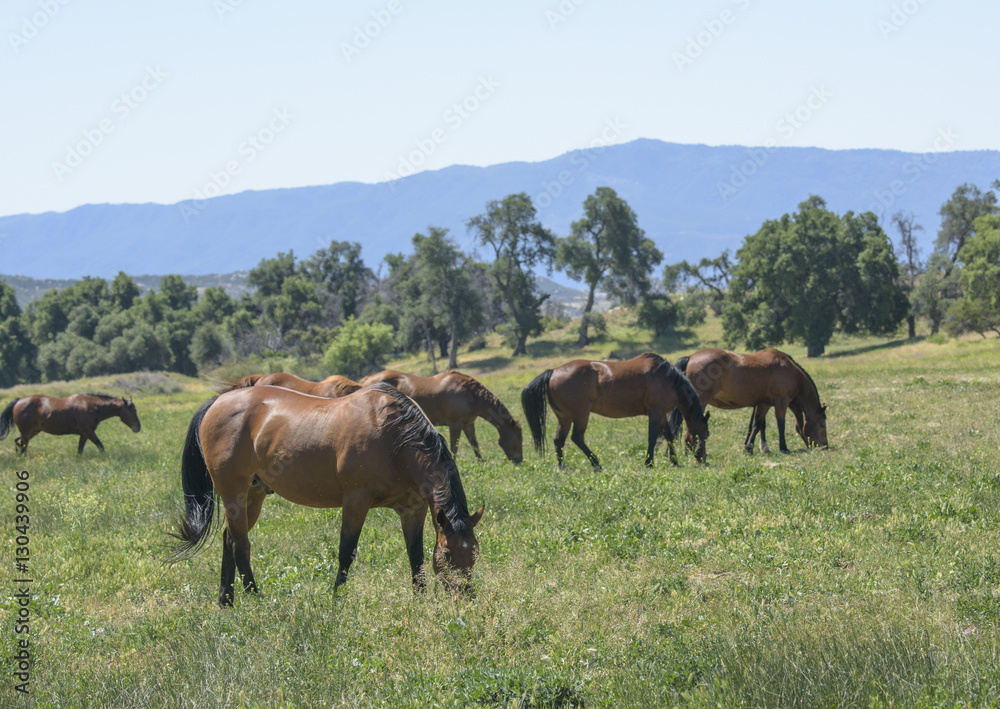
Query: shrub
[(359, 348)]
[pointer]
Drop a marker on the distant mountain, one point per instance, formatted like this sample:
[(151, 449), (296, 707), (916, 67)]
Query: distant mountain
[(692, 200)]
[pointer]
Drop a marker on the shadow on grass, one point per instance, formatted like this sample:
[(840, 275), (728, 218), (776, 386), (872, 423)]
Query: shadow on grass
[(874, 348)]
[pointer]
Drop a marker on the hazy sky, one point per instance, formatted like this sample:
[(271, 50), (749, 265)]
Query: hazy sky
[(114, 101)]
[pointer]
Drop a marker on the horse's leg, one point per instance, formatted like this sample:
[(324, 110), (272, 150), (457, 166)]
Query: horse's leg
[(751, 432), (83, 442), (658, 425), (470, 433), (780, 408), (454, 432), (255, 501), (412, 519), (238, 525), (760, 416), (669, 434), (352, 520), (228, 570), (559, 439), (579, 429), (96, 441)]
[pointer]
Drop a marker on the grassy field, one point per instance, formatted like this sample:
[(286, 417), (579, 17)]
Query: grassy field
[(865, 575)]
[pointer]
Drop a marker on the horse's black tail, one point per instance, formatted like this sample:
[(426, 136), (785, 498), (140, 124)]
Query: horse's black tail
[(675, 420), (199, 493), (534, 399), (7, 419)]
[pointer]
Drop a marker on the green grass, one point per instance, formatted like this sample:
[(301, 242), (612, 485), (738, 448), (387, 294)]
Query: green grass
[(866, 575)]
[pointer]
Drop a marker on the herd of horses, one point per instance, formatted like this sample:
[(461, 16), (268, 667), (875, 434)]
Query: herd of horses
[(373, 443)]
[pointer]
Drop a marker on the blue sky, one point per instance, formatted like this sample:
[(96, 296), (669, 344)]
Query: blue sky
[(109, 101)]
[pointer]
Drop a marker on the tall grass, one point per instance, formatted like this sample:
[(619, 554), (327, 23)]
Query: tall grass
[(866, 575)]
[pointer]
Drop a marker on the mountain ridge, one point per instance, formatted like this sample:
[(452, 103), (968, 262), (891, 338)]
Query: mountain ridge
[(692, 200)]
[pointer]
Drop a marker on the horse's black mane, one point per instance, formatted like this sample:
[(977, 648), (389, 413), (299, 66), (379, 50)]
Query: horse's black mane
[(106, 397), (486, 394), (417, 431), (811, 382), (680, 383)]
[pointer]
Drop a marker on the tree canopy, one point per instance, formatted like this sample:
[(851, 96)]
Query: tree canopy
[(810, 273)]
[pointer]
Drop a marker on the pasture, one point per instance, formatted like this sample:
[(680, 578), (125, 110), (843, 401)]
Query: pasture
[(865, 575)]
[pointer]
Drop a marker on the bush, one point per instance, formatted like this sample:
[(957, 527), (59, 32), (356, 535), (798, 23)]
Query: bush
[(208, 348), (657, 312), (359, 349)]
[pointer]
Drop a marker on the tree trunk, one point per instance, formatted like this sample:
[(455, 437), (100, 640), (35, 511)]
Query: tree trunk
[(911, 326), (453, 352), (583, 340), (935, 324), (521, 348), (443, 342), (430, 349), (815, 350)]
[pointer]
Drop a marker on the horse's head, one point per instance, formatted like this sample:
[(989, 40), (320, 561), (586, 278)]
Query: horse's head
[(455, 551), (129, 416), (694, 439), (812, 427), (511, 441)]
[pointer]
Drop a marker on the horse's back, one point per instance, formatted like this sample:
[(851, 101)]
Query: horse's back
[(308, 449), (734, 380)]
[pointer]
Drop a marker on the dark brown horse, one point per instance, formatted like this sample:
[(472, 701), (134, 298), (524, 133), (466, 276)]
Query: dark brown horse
[(332, 387), (76, 415), (372, 449), (762, 380), (647, 385), (455, 400)]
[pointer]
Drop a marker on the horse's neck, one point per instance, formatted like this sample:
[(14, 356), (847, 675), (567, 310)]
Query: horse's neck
[(493, 411), (808, 396), (107, 409)]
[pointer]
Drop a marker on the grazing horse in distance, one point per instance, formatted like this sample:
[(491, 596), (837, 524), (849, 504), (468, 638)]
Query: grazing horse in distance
[(762, 380), (373, 449), (332, 387), (647, 385), (455, 400), (76, 415)]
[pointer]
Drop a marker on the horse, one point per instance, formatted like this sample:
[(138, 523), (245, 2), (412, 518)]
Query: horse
[(647, 385), (78, 415), (374, 448), (455, 400), (332, 387), (762, 380)]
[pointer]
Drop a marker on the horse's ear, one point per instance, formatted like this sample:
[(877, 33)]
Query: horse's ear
[(707, 414), (442, 520), (474, 519), (823, 409)]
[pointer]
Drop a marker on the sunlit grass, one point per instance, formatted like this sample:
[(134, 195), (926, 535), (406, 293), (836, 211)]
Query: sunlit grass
[(864, 575)]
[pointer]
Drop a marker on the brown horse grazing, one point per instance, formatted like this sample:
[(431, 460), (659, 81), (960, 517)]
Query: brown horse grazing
[(77, 415), (332, 387), (455, 400), (373, 449), (647, 385), (761, 380)]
